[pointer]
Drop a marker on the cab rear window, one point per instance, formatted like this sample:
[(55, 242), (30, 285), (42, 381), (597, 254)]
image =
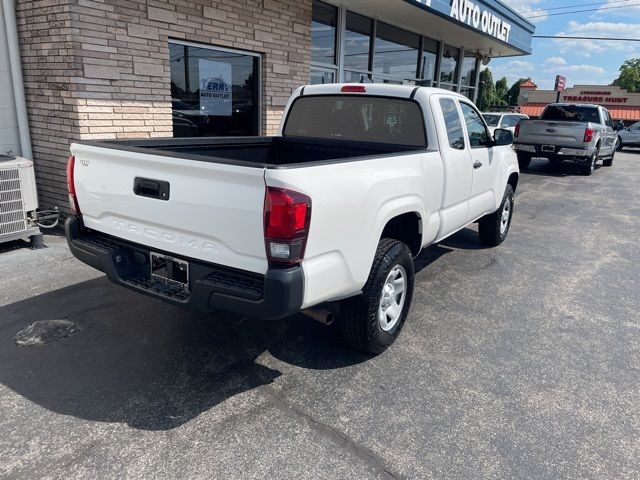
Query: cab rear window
[(357, 118), (572, 113)]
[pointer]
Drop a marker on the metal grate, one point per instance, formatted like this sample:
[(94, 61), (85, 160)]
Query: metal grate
[(13, 218)]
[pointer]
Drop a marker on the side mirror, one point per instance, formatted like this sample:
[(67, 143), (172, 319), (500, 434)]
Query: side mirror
[(502, 136)]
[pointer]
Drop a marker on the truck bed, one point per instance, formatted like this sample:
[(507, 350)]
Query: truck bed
[(259, 152)]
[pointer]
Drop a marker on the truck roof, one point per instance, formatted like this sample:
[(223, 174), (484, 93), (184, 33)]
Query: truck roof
[(561, 104), (401, 91)]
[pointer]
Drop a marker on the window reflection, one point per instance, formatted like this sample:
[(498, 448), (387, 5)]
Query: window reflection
[(452, 123), (468, 76), (213, 92), (323, 33), (396, 52), (449, 64), (429, 61), (357, 40)]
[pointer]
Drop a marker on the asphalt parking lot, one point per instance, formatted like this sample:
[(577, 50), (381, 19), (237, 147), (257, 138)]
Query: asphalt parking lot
[(521, 361)]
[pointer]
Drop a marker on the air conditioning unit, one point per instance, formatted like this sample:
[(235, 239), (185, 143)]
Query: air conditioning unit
[(18, 200)]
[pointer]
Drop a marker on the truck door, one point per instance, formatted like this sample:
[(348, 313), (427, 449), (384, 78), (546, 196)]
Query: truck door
[(485, 166), (610, 135), (456, 164)]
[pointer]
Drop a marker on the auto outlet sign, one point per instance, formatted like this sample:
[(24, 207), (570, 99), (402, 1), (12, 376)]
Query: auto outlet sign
[(480, 18)]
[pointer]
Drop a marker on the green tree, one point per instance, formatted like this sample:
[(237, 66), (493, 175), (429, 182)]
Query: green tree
[(514, 92), (501, 91), (486, 90), (629, 77)]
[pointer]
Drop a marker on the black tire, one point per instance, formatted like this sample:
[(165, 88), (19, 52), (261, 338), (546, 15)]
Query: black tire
[(358, 317), (524, 160), (607, 162), (588, 168), (619, 145), (490, 226)]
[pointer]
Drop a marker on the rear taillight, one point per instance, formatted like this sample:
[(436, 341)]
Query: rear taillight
[(588, 134), (516, 132), (71, 185), (287, 215)]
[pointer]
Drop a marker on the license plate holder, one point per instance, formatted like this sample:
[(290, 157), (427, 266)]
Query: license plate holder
[(169, 269), (548, 148)]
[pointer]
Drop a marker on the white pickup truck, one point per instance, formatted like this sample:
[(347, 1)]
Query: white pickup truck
[(324, 218)]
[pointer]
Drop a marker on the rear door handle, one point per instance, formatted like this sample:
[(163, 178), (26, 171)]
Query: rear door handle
[(477, 164)]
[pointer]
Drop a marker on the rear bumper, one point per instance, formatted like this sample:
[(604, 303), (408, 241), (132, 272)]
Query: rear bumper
[(579, 154), (278, 294)]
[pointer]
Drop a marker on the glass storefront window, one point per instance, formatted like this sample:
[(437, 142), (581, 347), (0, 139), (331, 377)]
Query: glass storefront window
[(396, 52), (468, 92), (323, 33), (429, 61), (214, 92), (449, 64), (357, 77), (357, 40), (469, 62), (322, 76)]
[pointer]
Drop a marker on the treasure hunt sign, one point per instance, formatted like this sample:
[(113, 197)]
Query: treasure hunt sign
[(602, 97)]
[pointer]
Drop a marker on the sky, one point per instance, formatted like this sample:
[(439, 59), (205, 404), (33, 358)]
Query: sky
[(580, 61)]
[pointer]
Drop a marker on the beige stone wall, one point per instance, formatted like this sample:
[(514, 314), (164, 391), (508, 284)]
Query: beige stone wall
[(100, 69)]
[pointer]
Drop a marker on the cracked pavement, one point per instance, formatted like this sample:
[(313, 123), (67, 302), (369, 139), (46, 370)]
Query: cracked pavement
[(521, 361)]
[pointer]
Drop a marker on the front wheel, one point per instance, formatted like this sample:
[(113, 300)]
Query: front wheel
[(619, 144), (493, 228), (372, 320), (524, 160)]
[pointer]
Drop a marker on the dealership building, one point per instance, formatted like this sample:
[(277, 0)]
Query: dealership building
[(107, 69), (622, 105)]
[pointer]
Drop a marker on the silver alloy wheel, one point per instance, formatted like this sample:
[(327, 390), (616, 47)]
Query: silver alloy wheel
[(593, 163), (394, 292), (506, 215)]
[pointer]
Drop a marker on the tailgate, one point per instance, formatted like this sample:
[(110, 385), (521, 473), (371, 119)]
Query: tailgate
[(548, 132), (214, 211)]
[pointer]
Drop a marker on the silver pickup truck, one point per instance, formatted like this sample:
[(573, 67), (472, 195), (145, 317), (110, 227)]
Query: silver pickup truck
[(582, 133)]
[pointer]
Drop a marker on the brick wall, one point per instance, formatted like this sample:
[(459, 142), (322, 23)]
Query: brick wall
[(100, 69)]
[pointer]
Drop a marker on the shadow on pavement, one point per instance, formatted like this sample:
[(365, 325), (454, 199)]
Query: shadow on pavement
[(541, 166), (154, 366)]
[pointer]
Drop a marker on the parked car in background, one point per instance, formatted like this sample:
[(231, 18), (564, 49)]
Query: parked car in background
[(324, 218), (503, 120), (582, 133), (629, 137), (188, 120)]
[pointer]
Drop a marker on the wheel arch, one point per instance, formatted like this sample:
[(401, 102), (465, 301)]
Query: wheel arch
[(406, 228), (513, 180)]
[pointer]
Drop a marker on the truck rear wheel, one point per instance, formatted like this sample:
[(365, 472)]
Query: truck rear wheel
[(589, 167), (372, 320), (524, 160), (493, 228)]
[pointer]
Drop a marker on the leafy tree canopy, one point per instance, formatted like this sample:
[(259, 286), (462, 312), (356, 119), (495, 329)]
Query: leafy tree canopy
[(629, 77)]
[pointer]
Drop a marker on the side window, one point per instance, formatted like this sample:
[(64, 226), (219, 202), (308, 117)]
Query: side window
[(453, 123), (478, 136), (510, 120), (607, 119)]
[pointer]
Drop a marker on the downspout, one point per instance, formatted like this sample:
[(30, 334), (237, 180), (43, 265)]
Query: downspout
[(8, 7)]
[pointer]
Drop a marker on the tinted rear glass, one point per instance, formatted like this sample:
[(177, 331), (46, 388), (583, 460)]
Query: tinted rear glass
[(357, 118), (492, 120), (571, 113)]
